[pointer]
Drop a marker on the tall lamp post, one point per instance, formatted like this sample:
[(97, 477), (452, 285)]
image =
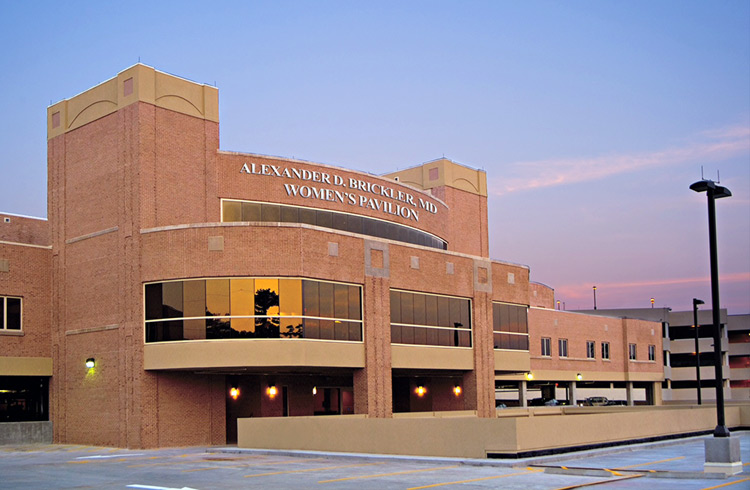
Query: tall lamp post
[(697, 302), (714, 192), (594, 297)]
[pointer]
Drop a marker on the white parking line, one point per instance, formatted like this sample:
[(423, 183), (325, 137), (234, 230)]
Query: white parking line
[(102, 456), (150, 487)]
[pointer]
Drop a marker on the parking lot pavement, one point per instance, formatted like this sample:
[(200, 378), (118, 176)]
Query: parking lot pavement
[(653, 466)]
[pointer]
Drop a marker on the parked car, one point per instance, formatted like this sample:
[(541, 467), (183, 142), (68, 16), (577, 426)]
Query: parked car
[(540, 402), (596, 401)]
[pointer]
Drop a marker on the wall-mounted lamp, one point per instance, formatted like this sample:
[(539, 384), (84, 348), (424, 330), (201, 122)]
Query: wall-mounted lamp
[(457, 390), (420, 391), (529, 376), (234, 392), (579, 376), (272, 391), (315, 390), (90, 362)]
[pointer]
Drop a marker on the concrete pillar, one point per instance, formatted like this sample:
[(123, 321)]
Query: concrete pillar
[(657, 393), (629, 389), (522, 398), (572, 395)]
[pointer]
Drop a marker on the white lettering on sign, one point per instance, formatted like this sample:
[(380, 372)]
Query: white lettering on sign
[(358, 192)]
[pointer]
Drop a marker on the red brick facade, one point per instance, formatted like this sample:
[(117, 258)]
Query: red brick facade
[(135, 196)]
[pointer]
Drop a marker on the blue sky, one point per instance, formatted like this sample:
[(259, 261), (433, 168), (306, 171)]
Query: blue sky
[(591, 118)]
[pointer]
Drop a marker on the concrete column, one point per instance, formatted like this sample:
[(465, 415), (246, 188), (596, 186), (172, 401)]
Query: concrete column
[(572, 397), (657, 393), (629, 389), (522, 398)]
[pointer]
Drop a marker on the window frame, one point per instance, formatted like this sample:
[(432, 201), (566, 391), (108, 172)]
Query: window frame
[(4, 314), (632, 352), (605, 351), (546, 347), (562, 348), (510, 335), (590, 349), (431, 325), (652, 353)]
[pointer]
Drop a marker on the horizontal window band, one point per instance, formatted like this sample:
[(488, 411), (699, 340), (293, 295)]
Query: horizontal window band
[(236, 317), (436, 327)]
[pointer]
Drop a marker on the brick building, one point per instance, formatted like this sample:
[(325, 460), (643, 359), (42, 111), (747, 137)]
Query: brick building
[(206, 286)]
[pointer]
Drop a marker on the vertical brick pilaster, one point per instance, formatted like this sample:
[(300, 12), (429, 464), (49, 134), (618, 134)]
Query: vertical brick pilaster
[(479, 384), (373, 393)]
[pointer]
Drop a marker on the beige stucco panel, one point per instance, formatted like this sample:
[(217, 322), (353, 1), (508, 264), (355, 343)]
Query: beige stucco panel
[(208, 354), (426, 357), (512, 360), (25, 366)]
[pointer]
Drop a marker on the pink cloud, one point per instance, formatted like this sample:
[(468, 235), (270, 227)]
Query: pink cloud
[(714, 145)]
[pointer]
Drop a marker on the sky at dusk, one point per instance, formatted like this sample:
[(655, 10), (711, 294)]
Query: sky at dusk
[(591, 118)]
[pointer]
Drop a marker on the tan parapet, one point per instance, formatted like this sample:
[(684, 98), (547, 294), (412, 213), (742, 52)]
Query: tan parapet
[(443, 172), (139, 83)]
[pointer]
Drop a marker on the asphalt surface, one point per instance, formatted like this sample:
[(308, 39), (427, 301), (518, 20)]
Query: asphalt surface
[(656, 466)]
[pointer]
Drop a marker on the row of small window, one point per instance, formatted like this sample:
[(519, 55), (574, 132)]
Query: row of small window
[(430, 319), (252, 308), (279, 213), (10, 313), (562, 349)]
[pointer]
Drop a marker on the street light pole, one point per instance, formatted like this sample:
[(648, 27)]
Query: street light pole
[(697, 302), (594, 297), (714, 192)]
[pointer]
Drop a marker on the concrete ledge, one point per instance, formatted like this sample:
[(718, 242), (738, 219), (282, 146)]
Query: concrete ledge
[(25, 433)]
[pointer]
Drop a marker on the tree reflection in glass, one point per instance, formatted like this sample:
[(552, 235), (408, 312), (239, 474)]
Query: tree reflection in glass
[(266, 302)]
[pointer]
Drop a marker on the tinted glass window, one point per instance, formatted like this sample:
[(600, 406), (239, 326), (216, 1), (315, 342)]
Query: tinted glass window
[(13, 314), (250, 211), (232, 211), (267, 212), (250, 308), (171, 299)]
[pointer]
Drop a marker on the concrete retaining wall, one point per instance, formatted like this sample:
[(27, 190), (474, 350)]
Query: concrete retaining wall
[(526, 431), (25, 433)]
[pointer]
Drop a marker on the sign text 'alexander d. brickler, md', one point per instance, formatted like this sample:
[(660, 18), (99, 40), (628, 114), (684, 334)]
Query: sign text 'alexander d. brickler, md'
[(357, 193)]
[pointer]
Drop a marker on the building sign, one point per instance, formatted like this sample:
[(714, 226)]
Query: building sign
[(348, 190)]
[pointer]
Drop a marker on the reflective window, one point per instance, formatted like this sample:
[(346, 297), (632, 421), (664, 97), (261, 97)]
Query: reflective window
[(605, 350), (429, 319), (562, 345), (266, 212), (632, 352), (10, 313), (510, 327), (252, 308)]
